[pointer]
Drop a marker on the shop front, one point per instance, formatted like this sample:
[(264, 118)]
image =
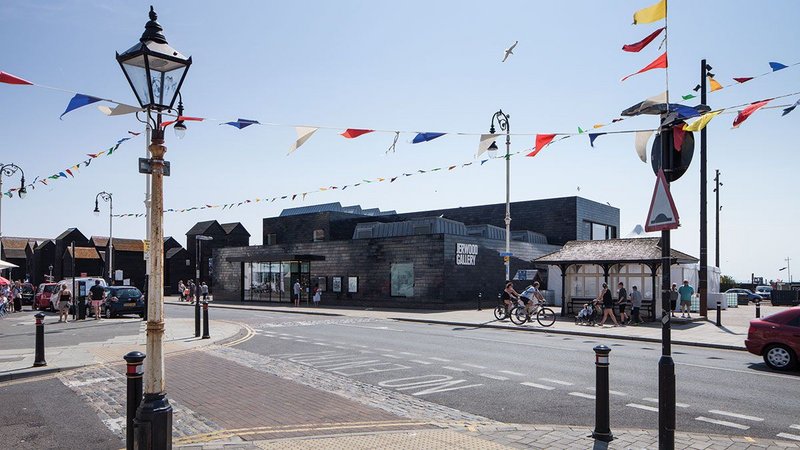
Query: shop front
[(273, 280)]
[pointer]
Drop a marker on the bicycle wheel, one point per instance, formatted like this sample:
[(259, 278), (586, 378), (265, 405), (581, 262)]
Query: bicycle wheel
[(500, 312), (519, 315), (546, 317)]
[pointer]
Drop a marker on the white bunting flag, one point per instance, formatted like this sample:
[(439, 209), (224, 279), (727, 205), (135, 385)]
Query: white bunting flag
[(486, 141), (641, 144), (119, 110), (303, 134)]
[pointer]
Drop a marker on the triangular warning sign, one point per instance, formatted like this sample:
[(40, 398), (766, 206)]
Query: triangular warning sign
[(663, 215)]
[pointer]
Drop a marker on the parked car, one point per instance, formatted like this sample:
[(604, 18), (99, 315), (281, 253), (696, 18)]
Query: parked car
[(776, 338), (47, 296), (751, 296), (28, 294), (764, 291), (122, 300)]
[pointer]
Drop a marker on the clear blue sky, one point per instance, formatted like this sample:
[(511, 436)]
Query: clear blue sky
[(413, 65)]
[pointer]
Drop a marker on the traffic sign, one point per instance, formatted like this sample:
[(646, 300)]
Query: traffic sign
[(662, 215), (146, 249), (677, 160), (506, 254)]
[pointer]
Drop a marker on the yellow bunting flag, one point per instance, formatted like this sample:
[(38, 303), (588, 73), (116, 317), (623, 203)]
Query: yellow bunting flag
[(701, 123), (651, 13), (715, 86)]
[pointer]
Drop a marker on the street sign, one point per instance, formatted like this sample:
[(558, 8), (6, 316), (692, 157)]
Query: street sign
[(506, 254), (146, 166), (146, 249), (662, 215), (678, 159)]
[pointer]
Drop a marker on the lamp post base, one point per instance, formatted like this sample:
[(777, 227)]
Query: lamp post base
[(154, 423)]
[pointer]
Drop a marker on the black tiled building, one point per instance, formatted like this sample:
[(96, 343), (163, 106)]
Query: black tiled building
[(222, 235)]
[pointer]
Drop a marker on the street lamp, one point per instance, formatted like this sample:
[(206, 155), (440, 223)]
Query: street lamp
[(180, 125), (197, 262), (788, 269), (110, 251), (9, 170), (155, 72), (502, 121)]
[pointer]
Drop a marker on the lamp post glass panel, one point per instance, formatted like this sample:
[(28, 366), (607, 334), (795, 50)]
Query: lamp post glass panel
[(502, 122), (155, 72), (8, 170), (110, 252)]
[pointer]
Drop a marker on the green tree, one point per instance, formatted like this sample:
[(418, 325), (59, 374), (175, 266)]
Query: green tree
[(726, 282)]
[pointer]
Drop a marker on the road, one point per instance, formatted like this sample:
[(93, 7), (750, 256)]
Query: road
[(522, 377)]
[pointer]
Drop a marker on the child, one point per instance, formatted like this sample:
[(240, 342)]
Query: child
[(317, 295), (585, 314)]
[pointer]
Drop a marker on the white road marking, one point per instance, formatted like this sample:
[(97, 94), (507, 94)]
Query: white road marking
[(473, 365), (748, 372), (644, 407), (513, 373), (563, 383), (655, 400), (439, 359), (537, 386), (723, 423), (393, 356), (303, 340), (796, 427), (457, 369), (793, 437), (337, 346), (408, 353), (366, 351), (735, 415), (493, 377), (322, 343), (420, 362), (582, 395), (378, 349), (621, 394), (285, 338)]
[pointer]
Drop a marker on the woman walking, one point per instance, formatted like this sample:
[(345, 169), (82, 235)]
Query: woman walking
[(64, 298), (608, 306), (622, 302), (673, 298)]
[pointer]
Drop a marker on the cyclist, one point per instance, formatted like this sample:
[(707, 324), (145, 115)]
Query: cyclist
[(533, 298), (509, 295)]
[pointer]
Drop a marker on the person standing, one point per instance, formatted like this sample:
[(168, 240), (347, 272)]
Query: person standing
[(204, 291), (636, 305), (64, 298), (673, 298), (686, 292), (317, 294), (192, 291), (181, 290), (296, 290), (98, 294), (622, 302), (608, 306)]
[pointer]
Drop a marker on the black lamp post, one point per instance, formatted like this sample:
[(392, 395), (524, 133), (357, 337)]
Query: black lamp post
[(155, 72), (110, 250), (9, 170), (502, 121), (198, 262)]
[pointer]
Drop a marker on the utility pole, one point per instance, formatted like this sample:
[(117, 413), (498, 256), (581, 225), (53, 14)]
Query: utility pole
[(716, 190), (703, 285), (789, 270)]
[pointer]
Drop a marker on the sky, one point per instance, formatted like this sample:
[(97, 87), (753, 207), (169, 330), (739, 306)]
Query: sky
[(411, 66)]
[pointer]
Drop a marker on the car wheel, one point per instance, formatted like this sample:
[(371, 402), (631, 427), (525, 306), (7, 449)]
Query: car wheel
[(108, 313), (779, 357)]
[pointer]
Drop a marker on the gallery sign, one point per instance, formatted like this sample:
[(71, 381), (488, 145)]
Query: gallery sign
[(466, 254)]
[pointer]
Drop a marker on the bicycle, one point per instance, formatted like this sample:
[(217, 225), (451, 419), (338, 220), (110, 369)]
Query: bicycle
[(501, 312), (544, 315)]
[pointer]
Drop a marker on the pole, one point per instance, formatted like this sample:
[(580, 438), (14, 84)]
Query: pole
[(716, 190), (602, 407), (1, 216), (666, 366), (508, 200), (75, 296), (147, 204), (154, 416), (197, 287), (111, 238), (703, 284), (134, 375), (789, 270), (205, 321), (480, 296), (38, 360), (719, 314)]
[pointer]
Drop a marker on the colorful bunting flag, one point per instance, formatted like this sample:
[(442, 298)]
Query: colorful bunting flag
[(688, 96), (643, 43), (747, 112), (776, 66), (593, 136), (743, 79), (715, 86), (651, 13), (119, 110), (640, 144), (658, 63), (701, 123), (11, 79), (580, 130), (791, 108), (425, 137), (486, 141), (352, 133), (181, 118), (133, 133), (541, 141), (78, 101), (678, 134), (303, 134), (242, 123)]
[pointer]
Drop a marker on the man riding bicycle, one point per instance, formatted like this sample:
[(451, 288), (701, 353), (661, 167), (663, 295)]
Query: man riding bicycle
[(533, 298)]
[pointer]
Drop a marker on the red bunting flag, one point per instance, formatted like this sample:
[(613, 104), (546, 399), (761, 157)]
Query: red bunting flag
[(541, 141), (678, 134), (747, 112), (643, 43), (11, 79), (742, 79), (184, 118), (658, 63), (352, 133)]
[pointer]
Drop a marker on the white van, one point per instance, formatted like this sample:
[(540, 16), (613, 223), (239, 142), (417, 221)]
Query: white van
[(87, 282)]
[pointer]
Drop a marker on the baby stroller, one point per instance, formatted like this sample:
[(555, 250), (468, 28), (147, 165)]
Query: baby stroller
[(587, 316)]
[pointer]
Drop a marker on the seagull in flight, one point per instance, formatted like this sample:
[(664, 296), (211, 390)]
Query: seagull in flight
[(510, 51)]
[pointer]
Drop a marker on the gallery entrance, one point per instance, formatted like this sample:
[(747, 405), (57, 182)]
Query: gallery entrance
[(273, 281)]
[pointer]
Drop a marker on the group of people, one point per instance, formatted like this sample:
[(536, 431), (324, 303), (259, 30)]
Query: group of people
[(605, 302), (189, 291), (297, 289), (97, 295), (8, 293), (531, 296)]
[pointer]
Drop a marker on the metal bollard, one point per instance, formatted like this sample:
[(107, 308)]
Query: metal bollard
[(719, 314), (758, 310), (38, 360), (480, 296), (205, 320), (602, 409), (134, 375), (197, 316)]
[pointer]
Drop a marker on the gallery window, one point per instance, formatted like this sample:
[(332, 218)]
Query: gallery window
[(402, 281), (319, 235), (271, 239)]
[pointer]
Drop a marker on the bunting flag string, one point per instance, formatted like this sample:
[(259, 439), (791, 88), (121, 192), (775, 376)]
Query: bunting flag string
[(638, 46), (651, 14), (658, 63), (72, 170), (748, 111), (715, 85)]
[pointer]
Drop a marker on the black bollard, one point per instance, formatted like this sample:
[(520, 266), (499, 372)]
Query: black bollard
[(134, 375), (758, 310), (602, 409), (480, 296), (197, 316), (205, 320), (38, 360), (719, 314)]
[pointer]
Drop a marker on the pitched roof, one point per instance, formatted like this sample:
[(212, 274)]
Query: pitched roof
[(84, 253), (14, 253), (612, 251), (173, 251), (14, 243), (230, 227), (67, 232), (201, 227), (120, 244)]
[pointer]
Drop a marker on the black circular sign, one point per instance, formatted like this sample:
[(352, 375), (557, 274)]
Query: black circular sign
[(676, 161)]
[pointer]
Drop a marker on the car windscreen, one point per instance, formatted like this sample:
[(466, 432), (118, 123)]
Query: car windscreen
[(126, 293), (51, 288)]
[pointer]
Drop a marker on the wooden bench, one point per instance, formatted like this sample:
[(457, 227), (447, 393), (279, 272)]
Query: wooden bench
[(646, 312)]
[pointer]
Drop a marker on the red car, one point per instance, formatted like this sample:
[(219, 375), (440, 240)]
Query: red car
[(46, 297), (776, 338)]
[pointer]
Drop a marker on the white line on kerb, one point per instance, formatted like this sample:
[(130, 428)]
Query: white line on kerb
[(582, 395), (420, 361), (793, 437), (738, 416), (723, 423), (537, 386), (439, 359), (644, 407), (563, 383), (513, 373), (457, 369), (493, 377), (655, 400), (473, 365), (621, 394)]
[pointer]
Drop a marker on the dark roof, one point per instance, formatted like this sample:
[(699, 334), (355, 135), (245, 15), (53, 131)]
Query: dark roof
[(84, 253), (120, 244), (173, 251), (14, 253), (230, 227), (201, 227), (334, 207), (612, 251), (14, 243), (67, 232)]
